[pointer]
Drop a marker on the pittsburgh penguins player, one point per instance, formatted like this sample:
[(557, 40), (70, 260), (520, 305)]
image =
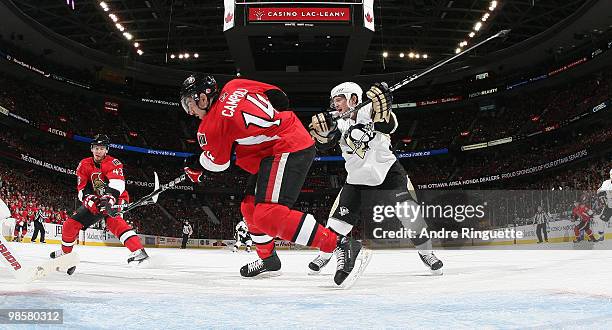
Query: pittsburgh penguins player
[(373, 170), (605, 193)]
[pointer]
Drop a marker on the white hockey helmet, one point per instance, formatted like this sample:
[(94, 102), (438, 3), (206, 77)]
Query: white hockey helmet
[(347, 89)]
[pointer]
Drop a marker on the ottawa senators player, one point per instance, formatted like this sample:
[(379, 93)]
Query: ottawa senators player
[(100, 186), (275, 148), (583, 213)]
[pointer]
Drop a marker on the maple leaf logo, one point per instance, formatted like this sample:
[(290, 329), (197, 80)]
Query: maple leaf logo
[(369, 18), (229, 17)]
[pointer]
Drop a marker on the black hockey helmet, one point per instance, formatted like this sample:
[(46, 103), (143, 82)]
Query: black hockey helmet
[(101, 140), (196, 84)]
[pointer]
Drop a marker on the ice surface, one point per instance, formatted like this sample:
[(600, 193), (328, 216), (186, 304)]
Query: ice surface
[(203, 289)]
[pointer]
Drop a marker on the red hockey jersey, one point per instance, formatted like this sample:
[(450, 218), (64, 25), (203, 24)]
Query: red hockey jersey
[(242, 115), (582, 212), (92, 178)]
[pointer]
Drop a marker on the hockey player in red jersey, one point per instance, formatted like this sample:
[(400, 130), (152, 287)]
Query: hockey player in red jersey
[(583, 213), (100, 186), (275, 148)]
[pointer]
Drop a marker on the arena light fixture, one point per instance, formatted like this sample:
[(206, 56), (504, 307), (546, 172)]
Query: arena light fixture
[(478, 25), (411, 55), (196, 55), (385, 54), (425, 56), (181, 56), (126, 34), (402, 55), (186, 55), (172, 56)]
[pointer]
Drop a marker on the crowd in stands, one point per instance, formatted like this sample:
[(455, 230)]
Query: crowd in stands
[(517, 113)]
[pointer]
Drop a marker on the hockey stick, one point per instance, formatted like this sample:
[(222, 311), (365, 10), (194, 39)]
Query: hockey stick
[(414, 77), (153, 196)]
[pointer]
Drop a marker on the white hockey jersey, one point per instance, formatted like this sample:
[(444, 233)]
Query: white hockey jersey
[(607, 187), (367, 153)]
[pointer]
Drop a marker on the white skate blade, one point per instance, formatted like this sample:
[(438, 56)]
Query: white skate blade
[(272, 273), (59, 264), (437, 272), (363, 259)]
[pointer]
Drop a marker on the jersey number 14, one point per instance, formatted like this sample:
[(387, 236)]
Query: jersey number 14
[(268, 110)]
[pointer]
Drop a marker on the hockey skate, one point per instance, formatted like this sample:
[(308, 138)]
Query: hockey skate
[(61, 260), (319, 262), (432, 262), (137, 257), (260, 268), (352, 259)]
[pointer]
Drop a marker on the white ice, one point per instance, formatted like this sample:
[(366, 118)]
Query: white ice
[(203, 289)]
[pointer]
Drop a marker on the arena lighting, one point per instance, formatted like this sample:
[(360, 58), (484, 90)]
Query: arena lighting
[(425, 56), (417, 56), (411, 55), (478, 25), (385, 54), (186, 55), (402, 55), (140, 52), (172, 56), (196, 55), (126, 34)]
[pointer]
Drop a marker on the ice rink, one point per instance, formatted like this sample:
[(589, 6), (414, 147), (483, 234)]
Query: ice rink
[(202, 289)]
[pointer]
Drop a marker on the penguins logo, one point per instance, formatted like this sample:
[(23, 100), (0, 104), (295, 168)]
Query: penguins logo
[(358, 138), (97, 183)]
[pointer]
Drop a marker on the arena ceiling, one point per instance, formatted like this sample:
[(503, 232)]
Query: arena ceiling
[(165, 27)]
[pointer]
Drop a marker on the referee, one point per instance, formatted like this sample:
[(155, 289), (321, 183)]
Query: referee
[(540, 219), (39, 219)]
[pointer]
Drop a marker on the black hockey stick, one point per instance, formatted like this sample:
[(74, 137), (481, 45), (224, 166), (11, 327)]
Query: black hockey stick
[(414, 77), (152, 197)]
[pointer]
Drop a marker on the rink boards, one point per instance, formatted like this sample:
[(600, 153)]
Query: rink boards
[(561, 231)]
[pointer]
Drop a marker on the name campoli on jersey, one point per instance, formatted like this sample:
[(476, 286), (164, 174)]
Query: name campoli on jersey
[(232, 101)]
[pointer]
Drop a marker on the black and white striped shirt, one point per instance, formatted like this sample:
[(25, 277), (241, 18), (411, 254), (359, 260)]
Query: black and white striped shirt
[(540, 217), (40, 216)]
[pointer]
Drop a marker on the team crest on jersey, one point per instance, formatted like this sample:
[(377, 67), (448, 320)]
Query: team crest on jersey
[(116, 162), (222, 97), (97, 183), (343, 211), (358, 137), (202, 139)]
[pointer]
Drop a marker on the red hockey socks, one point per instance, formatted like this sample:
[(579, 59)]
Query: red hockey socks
[(264, 243), (124, 233), (279, 221), (70, 231)]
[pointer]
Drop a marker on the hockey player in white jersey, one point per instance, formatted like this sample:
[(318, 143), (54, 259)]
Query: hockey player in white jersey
[(242, 237), (371, 165), (605, 194)]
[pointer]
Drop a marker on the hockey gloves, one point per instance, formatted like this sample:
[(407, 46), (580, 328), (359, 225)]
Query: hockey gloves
[(321, 125), (381, 97), (90, 202), (106, 204), (193, 169)]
